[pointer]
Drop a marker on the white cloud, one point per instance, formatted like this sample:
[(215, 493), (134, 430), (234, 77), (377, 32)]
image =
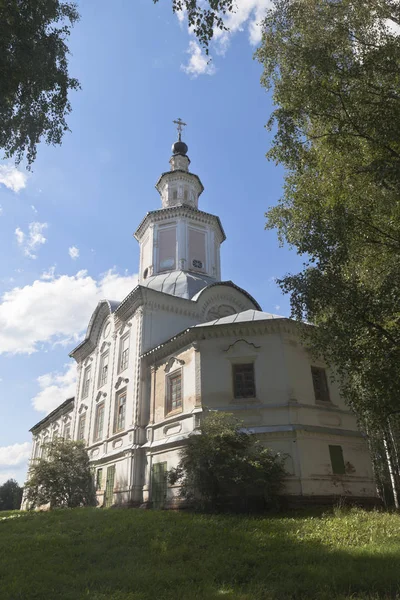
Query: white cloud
[(12, 178), (34, 208), (11, 456), (31, 241), (73, 251), (55, 310), (49, 275), (1, 210), (55, 388), (198, 62)]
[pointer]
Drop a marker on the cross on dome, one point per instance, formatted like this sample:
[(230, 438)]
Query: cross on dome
[(179, 125)]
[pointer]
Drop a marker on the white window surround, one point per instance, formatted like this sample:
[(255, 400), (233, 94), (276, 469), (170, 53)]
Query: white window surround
[(103, 371), (123, 358)]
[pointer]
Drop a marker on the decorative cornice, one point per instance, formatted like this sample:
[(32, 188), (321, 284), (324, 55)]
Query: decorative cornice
[(181, 210), (120, 380), (171, 362)]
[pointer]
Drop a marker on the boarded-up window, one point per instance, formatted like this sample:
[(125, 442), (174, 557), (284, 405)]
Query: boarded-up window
[(243, 381), (321, 390), (337, 460), (174, 392), (197, 250), (167, 249)]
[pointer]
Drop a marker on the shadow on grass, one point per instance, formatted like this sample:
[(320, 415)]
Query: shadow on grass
[(139, 555)]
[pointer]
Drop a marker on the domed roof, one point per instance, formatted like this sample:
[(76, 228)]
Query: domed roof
[(178, 283), (179, 148)]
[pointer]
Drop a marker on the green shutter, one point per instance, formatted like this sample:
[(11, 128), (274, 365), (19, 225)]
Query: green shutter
[(110, 486), (337, 461), (159, 484)]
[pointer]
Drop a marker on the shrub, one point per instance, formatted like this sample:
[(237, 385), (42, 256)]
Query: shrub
[(226, 468)]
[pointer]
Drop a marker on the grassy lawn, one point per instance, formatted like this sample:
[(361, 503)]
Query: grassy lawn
[(95, 554)]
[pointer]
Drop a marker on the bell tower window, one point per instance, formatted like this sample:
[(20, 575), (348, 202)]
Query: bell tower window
[(197, 250), (167, 249)]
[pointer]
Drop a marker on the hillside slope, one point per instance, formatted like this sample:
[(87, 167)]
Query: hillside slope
[(93, 554)]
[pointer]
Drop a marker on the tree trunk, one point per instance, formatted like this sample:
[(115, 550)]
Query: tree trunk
[(391, 473)]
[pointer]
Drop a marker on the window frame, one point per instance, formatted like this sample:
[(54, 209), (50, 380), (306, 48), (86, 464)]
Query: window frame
[(177, 373), (82, 419), (322, 371), (97, 436), (118, 396), (102, 360), (335, 455), (235, 366), (86, 381), (121, 353)]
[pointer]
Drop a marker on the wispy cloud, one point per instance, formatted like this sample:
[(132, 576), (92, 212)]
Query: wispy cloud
[(198, 62), (12, 178), (31, 241), (73, 251)]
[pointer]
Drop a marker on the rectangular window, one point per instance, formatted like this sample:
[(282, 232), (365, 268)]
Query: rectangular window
[(37, 450), (167, 249), (243, 381), (67, 431), (99, 479), (337, 460), (320, 382), (99, 422), (86, 382), (120, 410), (197, 250), (174, 392), (44, 448), (81, 427), (103, 370), (124, 353)]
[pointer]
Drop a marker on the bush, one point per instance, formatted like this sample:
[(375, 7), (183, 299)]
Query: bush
[(226, 468), (62, 478), (10, 495)]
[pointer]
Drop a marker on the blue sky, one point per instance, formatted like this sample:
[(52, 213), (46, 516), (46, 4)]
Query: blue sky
[(66, 228)]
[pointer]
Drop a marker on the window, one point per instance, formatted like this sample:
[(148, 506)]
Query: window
[(243, 381), (86, 381), (103, 370), (167, 249), (321, 390), (67, 431), (337, 460), (99, 422), (44, 449), (81, 427), (174, 392), (124, 353), (37, 450), (120, 410), (197, 249), (99, 479)]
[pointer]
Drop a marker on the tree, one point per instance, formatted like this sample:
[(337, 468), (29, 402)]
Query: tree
[(10, 495), (334, 68), (62, 478), (34, 74), (226, 468)]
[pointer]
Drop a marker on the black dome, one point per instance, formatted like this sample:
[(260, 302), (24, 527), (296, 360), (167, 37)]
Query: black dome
[(179, 148)]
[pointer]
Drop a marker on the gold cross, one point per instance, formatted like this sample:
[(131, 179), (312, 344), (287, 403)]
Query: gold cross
[(179, 125)]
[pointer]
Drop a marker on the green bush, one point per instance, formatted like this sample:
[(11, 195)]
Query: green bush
[(62, 477), (226, 468)]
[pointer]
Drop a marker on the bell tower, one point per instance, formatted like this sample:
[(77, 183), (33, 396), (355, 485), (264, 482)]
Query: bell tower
[(179, 240)]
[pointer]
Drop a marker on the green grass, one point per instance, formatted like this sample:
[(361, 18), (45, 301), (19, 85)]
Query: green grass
[(153, 555)]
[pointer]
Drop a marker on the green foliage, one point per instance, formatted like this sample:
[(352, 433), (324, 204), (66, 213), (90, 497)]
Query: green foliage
[(335, 71), (226, 468), (204, 17), (141, 555), (34, 74), (10, 495), (63, 478)]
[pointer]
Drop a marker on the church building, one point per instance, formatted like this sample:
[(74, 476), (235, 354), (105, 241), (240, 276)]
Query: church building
[(183, 342)]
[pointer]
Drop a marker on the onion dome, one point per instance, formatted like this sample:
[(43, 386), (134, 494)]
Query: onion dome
[(179, 148)]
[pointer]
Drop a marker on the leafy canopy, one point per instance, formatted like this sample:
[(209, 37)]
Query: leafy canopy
[(334, 66), (10, 495), (34, 74), (62, 477), (226, 468)]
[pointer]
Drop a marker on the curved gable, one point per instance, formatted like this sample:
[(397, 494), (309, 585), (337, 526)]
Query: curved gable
[(223, 298), (101, 312)]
